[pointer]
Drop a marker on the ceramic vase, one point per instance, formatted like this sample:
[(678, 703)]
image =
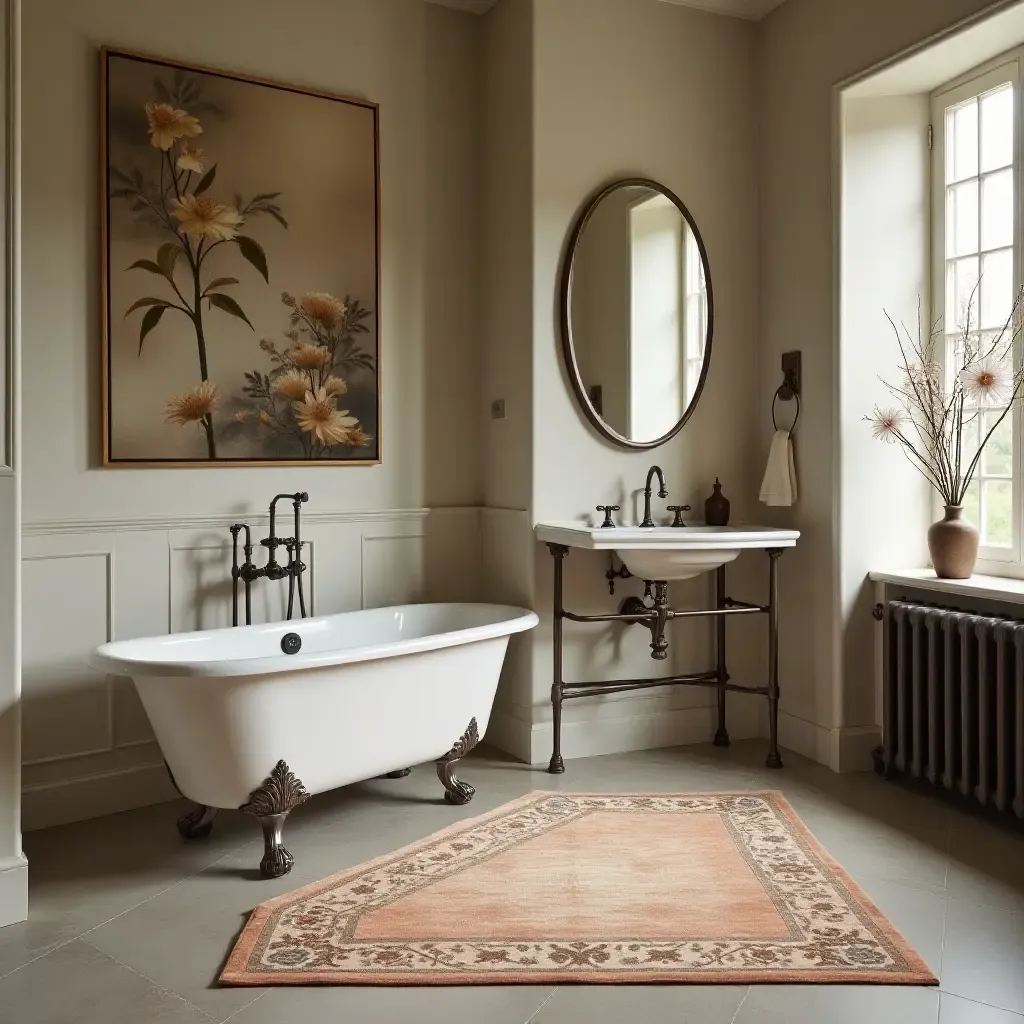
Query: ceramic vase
[(953, 545)]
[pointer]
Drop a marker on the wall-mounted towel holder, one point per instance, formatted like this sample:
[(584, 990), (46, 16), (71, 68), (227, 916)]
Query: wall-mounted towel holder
[(789, 389)]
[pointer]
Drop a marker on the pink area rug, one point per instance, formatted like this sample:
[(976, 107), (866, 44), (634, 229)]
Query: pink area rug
[(614, 888)]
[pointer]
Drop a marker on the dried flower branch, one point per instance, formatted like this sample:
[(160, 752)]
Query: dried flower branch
[(933, 407)]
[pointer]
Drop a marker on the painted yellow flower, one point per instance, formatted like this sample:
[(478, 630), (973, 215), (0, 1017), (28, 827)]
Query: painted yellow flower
[(201, 217), (292, 385), (242, 416), (193, 405), (357, 438), (323, 308), (265, 418), (309, 357), (317, 414), (167, 124), (335, 386), (191, 159)]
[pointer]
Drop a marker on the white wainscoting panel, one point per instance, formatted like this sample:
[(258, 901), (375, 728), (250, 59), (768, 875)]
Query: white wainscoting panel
[(67, 709), (89, 749), (392, 567)]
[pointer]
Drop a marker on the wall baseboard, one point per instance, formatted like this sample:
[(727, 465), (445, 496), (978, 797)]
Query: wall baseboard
[(805, 738), (509, 733), (852, 747), (13, 890), (846, 749), (93, 796), (669, 728)]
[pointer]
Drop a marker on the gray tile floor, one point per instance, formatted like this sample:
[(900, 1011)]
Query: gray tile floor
[(130, 925)]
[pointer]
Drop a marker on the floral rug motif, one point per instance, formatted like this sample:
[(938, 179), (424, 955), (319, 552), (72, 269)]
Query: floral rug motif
[(557, 888)]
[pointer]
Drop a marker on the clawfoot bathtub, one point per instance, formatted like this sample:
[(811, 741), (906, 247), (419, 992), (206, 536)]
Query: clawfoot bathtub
[(260, 718)]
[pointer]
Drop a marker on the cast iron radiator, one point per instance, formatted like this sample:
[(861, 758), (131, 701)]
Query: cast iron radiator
[(953, 711)]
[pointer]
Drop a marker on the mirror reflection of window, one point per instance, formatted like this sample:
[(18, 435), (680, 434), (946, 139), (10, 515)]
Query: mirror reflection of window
[(695, 328), (656, 264), (638, 309)]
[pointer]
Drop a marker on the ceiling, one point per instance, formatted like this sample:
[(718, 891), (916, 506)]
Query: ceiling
[(751, 9)]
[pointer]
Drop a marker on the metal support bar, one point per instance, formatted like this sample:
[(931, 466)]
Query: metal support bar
[(722, 673), (682, 613), (774, 758), (556, 765), (597, 689), (690, 677)]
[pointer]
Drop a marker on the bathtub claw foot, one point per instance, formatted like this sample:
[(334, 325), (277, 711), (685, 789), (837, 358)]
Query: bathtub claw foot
[(455, 790), (198, 823), (277, 861), (271, 803), (400, 774)]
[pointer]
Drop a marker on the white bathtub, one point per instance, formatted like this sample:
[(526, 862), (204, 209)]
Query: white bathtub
[(368, 693)]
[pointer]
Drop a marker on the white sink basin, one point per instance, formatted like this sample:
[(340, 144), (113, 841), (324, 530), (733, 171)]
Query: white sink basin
[(666, 552)]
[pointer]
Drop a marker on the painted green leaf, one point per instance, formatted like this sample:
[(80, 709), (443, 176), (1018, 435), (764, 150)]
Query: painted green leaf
[(253, 252), (221, 282), (206, 181), (273, 211), (149, 301), (229, 305), (153, 268), (166, 257), (149, 321)]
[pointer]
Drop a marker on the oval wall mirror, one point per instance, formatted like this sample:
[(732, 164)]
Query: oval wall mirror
[(637, 313)]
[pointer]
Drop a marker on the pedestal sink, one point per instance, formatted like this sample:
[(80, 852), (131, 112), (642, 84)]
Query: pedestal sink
[(666, 552)]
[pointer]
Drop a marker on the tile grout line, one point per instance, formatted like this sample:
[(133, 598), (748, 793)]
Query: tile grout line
[(736, 1015), (978, 1002), (547, 999), (155, 984), (135, 906), (945, 903), (242, 1009)]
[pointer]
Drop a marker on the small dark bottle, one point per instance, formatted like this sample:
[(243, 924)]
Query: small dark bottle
[(716, 508)]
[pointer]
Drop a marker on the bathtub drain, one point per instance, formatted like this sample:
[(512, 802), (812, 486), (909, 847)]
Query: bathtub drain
[(291, 643)]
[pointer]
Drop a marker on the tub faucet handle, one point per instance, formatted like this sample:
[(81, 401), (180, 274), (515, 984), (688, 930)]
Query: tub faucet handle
[(608, 523), (678, 510)]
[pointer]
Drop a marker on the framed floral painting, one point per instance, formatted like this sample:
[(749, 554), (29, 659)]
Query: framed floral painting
[(241, 281)]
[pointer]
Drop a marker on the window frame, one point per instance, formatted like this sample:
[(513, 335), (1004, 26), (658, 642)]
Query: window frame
[(992, 560)]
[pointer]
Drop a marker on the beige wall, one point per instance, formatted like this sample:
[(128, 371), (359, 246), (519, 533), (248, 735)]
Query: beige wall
[(886, 193), (420, 63), (13, 867), (508, 252), (804, 49), (112, 554), (661, 91)]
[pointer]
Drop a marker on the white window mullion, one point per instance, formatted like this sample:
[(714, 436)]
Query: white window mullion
[(974, 163)]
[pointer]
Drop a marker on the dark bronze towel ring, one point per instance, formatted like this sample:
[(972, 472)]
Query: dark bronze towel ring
[(786, 392)]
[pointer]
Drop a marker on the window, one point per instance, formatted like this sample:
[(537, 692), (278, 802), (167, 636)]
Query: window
[(655, 385), (696, 323), (977, 190)]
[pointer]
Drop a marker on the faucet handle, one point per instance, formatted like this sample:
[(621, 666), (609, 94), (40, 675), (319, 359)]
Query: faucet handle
[(608, 524), (678, 510)]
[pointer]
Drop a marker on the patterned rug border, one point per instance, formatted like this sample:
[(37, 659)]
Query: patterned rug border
[(918, 974)]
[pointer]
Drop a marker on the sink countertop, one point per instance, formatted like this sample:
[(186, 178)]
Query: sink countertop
[(581, 534)]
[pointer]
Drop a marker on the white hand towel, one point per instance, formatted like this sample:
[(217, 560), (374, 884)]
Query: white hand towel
[(779, 484)]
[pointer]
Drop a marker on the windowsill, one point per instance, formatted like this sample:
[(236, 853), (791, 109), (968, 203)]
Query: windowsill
[(995, 588)]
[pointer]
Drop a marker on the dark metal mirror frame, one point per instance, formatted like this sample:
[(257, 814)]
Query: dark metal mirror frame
[(565, 288)]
